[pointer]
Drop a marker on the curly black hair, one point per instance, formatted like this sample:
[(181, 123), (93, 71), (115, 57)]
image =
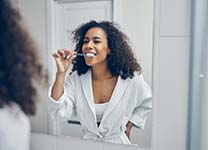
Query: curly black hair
[(121, 61), (19, 63)]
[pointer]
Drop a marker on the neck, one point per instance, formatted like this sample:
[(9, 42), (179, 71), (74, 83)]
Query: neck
[(101, 72)]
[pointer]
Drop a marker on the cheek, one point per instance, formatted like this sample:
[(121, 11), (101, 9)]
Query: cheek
[(102, 55), (105, 55), (82, 49), (105, 52)]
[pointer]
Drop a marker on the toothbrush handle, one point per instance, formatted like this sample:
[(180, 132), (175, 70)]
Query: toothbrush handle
[(78, 54)]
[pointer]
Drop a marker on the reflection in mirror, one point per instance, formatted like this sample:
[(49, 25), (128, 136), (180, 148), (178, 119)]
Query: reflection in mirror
[(62, 18), (101, 89)]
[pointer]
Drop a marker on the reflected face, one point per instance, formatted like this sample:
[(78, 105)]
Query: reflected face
[(95, 42)]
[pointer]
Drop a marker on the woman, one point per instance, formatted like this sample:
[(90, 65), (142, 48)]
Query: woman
[(19, 65), (106, 87)]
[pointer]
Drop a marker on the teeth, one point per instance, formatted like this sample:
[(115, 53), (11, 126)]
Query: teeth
[(90, 55)]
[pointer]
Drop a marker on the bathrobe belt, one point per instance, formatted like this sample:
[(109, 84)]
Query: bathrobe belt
[(101, 137)]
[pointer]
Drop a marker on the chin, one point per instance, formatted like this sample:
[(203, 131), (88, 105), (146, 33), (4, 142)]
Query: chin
[(89, 63)]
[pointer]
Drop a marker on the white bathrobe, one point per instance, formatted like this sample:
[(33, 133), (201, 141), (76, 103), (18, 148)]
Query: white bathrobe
[(14, 128), (130, 101)]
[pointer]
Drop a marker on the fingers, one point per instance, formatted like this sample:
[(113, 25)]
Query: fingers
[(69, 54), (56, 55), (64, 54)]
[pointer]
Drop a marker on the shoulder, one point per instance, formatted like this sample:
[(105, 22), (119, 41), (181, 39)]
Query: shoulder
[(138, 78), (75, 75), (13, 110), (73, 79), (72, 76), (140, 86), (14, 119), (138, 81), (13, 114)]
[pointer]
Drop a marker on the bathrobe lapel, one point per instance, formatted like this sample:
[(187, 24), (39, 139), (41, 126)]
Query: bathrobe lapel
[(86, 81), (116, 96)]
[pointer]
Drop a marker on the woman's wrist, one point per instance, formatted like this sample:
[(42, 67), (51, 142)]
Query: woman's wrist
[(60, 73), (60, 76)]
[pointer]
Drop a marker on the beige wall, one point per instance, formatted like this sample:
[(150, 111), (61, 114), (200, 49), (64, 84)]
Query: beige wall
[(137, 22), (171, 72)]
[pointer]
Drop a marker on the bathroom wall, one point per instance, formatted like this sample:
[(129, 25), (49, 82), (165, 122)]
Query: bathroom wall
[(137, 20), (170, 73)]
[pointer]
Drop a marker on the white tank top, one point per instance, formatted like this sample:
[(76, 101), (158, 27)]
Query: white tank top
[(99, 110)]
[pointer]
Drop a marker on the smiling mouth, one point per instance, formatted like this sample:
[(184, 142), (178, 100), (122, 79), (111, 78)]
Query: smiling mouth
[(89, 54)]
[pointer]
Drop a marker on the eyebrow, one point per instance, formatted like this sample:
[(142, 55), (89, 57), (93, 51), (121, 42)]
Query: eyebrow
[(94, 38)]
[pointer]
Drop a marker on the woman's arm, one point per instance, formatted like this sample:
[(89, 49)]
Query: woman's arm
[(63, 58), (58, 86)]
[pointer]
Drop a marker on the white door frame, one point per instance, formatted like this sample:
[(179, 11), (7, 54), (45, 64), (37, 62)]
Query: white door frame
[(155, 72), (117, 7)]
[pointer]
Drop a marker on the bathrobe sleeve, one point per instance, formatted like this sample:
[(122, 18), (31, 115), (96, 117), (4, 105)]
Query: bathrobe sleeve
[(65, 105), (144, 103)]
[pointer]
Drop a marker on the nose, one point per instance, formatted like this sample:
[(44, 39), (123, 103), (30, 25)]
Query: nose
[(90, 45)]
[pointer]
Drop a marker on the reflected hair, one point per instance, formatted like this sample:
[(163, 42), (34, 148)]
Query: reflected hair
[(120, 60), (19, 63)]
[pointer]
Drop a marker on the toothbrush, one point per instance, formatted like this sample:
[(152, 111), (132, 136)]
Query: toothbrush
[(89, 55)]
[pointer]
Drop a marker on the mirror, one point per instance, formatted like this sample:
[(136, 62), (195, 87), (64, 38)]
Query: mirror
[(48, 23)]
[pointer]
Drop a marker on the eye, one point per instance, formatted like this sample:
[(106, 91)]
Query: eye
[(97, 41), (85, 41)]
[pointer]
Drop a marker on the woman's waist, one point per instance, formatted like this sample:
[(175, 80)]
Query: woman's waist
[(102, 136)]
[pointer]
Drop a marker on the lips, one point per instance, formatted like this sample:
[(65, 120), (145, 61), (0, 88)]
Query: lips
[(90, 54)]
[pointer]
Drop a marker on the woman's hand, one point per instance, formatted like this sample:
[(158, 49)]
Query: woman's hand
[(128, 129), (63, 58)]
